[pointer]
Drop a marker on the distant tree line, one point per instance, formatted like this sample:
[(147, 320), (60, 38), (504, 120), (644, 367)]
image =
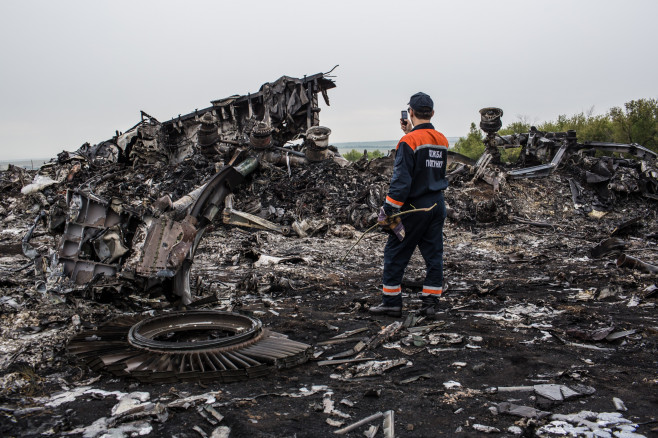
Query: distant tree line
[(355, 155), (637, 123)]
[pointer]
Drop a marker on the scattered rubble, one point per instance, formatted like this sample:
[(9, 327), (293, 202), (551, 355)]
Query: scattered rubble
[(549, 302)]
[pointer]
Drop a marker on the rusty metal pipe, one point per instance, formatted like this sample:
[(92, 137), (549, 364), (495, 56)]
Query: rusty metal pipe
[(631, 262), (247, 166), (278, 158), (187, 200)]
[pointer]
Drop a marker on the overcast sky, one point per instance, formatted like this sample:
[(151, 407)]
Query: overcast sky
[(76, 71)]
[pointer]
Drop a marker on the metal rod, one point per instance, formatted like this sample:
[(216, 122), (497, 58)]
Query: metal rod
[(417, 210), (353, 426)]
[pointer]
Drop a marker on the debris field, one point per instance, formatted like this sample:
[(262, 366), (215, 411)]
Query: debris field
[(547, 325)]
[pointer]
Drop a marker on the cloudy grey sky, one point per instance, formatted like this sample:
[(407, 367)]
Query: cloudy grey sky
[(76, 71)]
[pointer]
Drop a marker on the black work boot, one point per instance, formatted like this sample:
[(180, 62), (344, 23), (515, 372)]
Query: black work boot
[(387, 307), (429, 305)]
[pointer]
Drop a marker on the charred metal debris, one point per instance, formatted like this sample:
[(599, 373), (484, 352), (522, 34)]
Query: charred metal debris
[(129, 213), (137, 205), (548, 310), (552, 148), (194, 345)]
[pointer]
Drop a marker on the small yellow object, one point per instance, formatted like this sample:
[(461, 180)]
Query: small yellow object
[(596, 214)]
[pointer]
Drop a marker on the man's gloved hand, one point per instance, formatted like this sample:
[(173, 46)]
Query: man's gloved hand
[(391, 224)]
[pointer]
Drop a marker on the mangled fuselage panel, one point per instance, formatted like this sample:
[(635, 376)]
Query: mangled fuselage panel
[(288, 106), (96, 236), (104, 238), (548, 147)]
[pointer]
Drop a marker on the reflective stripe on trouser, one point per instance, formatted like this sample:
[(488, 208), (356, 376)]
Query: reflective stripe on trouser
[(424, 230), (392, 291), (432, 291)]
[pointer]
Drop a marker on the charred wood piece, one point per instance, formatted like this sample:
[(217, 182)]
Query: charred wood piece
[(613, 245), (627, 261)]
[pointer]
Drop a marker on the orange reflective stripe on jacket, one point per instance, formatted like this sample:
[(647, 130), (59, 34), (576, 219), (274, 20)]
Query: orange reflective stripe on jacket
[(394, 202), (423, 137), (420, 165)]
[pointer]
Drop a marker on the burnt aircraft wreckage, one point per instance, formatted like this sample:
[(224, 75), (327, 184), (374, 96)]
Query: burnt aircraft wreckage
[(552, 148), (108, 237), (153, 245), (138, 205), (197, 345)]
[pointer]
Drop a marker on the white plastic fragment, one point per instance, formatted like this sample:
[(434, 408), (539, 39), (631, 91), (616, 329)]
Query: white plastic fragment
[(619, 404), (520, 411), (212, 411), (221, 432), (371, 432), (329, 408), (551, 392), (562, 428), (375, 367), (389, 425), (633, 302), (304, 391), (485, 429), (129, 401), (622, 434), (327, 403), (334, 423), (445, 338), (611, 418), (516, 430), (494, 389), (347, 402), (451, 384), (69, 396), (207, 398), (590, 424), (100, 428), (39, 183), (200, 431)]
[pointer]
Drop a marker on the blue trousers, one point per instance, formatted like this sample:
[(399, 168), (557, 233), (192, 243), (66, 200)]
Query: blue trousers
[(425, 231)]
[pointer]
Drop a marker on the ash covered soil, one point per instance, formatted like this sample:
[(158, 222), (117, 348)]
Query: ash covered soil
[(527, 311)]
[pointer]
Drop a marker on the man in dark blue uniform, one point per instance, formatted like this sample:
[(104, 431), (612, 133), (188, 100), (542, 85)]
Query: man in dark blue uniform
[(418, 182)]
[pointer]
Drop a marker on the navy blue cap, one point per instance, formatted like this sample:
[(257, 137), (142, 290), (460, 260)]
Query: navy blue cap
[(420, 101)]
